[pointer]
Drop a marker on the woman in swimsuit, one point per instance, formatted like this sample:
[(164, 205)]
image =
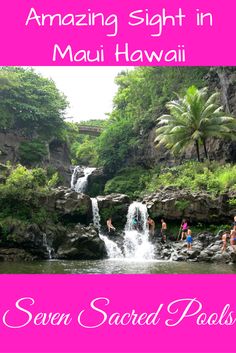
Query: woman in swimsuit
[(233, 239), (184, 227)]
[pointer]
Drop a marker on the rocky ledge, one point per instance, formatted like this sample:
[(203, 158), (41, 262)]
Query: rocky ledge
[(174, 204)]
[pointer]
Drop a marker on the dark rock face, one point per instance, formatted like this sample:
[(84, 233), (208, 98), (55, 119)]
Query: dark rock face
[(57, 158), (74, 243), (174, 204), (96, 182), (114, 206), (73, 207), (82, 243)]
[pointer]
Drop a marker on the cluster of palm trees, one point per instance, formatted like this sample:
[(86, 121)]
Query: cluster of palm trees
[(194, 119)]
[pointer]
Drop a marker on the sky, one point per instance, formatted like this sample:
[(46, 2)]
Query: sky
[(90, 90)]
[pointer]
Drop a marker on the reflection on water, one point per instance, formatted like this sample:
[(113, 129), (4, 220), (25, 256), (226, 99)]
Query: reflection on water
[(116, 266)]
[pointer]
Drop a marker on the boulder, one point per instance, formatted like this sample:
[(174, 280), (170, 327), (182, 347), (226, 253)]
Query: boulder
[(115, 206), (96, 182), (82, 243), (73, 207), (174, 204)]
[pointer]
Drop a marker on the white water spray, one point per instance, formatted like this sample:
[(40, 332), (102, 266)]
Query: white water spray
[(113, 250), (80, 184), (136, 243)]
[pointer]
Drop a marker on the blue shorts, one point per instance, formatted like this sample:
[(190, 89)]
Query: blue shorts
[(189, 239)]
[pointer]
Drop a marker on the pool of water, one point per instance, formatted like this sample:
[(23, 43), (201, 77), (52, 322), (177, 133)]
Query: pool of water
[(121, 266)]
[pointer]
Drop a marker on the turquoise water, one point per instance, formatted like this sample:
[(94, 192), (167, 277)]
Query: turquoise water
[(121, 266)]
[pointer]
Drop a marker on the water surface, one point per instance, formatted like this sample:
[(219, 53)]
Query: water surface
[(121, 266)]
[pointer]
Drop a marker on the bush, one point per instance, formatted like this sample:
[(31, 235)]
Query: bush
[(130, 181), (211, 177)]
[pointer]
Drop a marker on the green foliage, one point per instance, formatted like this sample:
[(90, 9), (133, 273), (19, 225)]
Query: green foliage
[(23, 193), (30, 103), (86, 153), (232, 202), (141, 97), (130, 181), (212, 177), (31, 152), (182, 205), (116, 144)]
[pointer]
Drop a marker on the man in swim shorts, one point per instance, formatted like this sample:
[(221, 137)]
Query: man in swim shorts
[(189, 239)]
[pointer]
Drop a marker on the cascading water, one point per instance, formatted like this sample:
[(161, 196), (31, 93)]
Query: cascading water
[(113, 250), (136, 243), (80, 184), (47, 246)]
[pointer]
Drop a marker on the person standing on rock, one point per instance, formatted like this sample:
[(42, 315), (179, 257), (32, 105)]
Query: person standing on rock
[(151, 226), (224, 241), (184, 228), (189, 239), (234, 223), (233, 239), (163, 230), (109, 225)]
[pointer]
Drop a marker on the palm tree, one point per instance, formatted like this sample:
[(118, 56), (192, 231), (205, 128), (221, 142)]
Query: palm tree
[(192, 120)]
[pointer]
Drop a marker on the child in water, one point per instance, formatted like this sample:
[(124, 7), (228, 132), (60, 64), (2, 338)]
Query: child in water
[(189, 239)]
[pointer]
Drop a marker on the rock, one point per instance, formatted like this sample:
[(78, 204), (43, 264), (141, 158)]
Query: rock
[(221, 257), (205, 256), (82, 243), (96, 182), (200, 206), (193, 254), (30, 238), (73, 207), (15, 255), (115, 206)]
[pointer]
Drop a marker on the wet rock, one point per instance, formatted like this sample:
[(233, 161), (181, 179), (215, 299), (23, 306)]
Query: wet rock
[(115, 206), (73, 207), (221, 257), (82, 243)]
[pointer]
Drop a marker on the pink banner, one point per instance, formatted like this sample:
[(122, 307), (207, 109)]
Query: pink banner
[(144, 32), (104, 313)]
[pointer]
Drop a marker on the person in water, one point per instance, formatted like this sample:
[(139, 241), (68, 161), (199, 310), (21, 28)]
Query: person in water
[(189, 239), (110, 225), (163, 230), (184, 228), (135, 223), (224, 241), (151, 226)]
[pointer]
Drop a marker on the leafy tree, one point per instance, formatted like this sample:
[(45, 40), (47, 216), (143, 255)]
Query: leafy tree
[(192, 120), (30, 103)]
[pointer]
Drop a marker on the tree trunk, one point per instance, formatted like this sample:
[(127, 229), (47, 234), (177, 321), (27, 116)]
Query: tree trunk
[(197, 149), (205, 149)]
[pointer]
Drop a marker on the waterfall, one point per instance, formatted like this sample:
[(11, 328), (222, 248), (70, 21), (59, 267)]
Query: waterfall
[(136, 243), (113, 250), (47, 246), (80, 184)]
